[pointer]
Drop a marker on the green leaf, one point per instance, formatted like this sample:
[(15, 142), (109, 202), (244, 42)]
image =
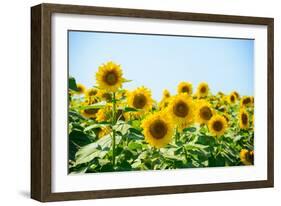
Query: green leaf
[(98, 105), (190, 129), (135, 146), (97, 149), (94, 126), (130, 109), (72, 84)]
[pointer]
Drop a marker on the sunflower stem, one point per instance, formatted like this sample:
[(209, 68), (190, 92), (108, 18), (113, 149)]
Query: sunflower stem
[(112, 125)]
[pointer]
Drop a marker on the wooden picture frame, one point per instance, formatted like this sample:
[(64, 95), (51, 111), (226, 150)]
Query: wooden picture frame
[(41, 96)]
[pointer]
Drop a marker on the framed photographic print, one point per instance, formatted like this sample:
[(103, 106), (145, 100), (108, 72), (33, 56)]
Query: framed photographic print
[(130, 102)]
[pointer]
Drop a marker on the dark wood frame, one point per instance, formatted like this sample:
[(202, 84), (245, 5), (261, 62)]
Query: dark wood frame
[(41, 101)]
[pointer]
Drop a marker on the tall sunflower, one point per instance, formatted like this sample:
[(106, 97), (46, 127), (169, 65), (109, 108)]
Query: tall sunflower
[(158, 129), (243, 119), (247, 157), (181, 109), (109, 77), (140, 99), (203, 112), (81, 88), (217, 125), (185, 87), (202, 90)]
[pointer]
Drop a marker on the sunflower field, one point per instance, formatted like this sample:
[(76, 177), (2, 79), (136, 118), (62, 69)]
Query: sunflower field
[(113, 129)]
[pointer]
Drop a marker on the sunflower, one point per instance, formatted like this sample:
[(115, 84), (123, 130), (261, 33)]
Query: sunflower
[(103, 114), (232, 98), (158, 129), (202, 90), (252, 100), (247, 157), (236, 94), (181, 109), (245, 101), (104, 95), (140, 99), (204, 112), (164, 103), (166, 94), (89, 113), (91, 95), (109, 77), (185, 87), (243, 119), (217, 125), (81, 89)]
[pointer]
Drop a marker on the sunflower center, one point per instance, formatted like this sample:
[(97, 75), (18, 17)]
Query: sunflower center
[(249, 157), (111, 78), (247, 100), (203, 89), (185, 89), (244, 118), (90, 111), (92, 93), (217, 125), (181, 109), (232, 99), (106, 96), (158, 129), (205, 113), (139, 101)]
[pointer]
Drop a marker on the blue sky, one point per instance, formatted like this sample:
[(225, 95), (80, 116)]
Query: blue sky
[(160, 62)]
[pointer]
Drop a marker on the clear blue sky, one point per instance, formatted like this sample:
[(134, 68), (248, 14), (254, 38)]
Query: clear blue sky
[(160, 62)]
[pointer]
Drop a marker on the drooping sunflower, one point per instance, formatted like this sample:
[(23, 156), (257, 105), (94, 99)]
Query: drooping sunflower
[(166, 94), (109, 77), (232, 98), (181, 109), (158, 129), (202, 90), (217, 125), (104, 95), (245, 101), (247, 157), (185, 87), (81, 88), (243, 119), (91, 95), (140, 99), (204, 112), (104, 131)]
